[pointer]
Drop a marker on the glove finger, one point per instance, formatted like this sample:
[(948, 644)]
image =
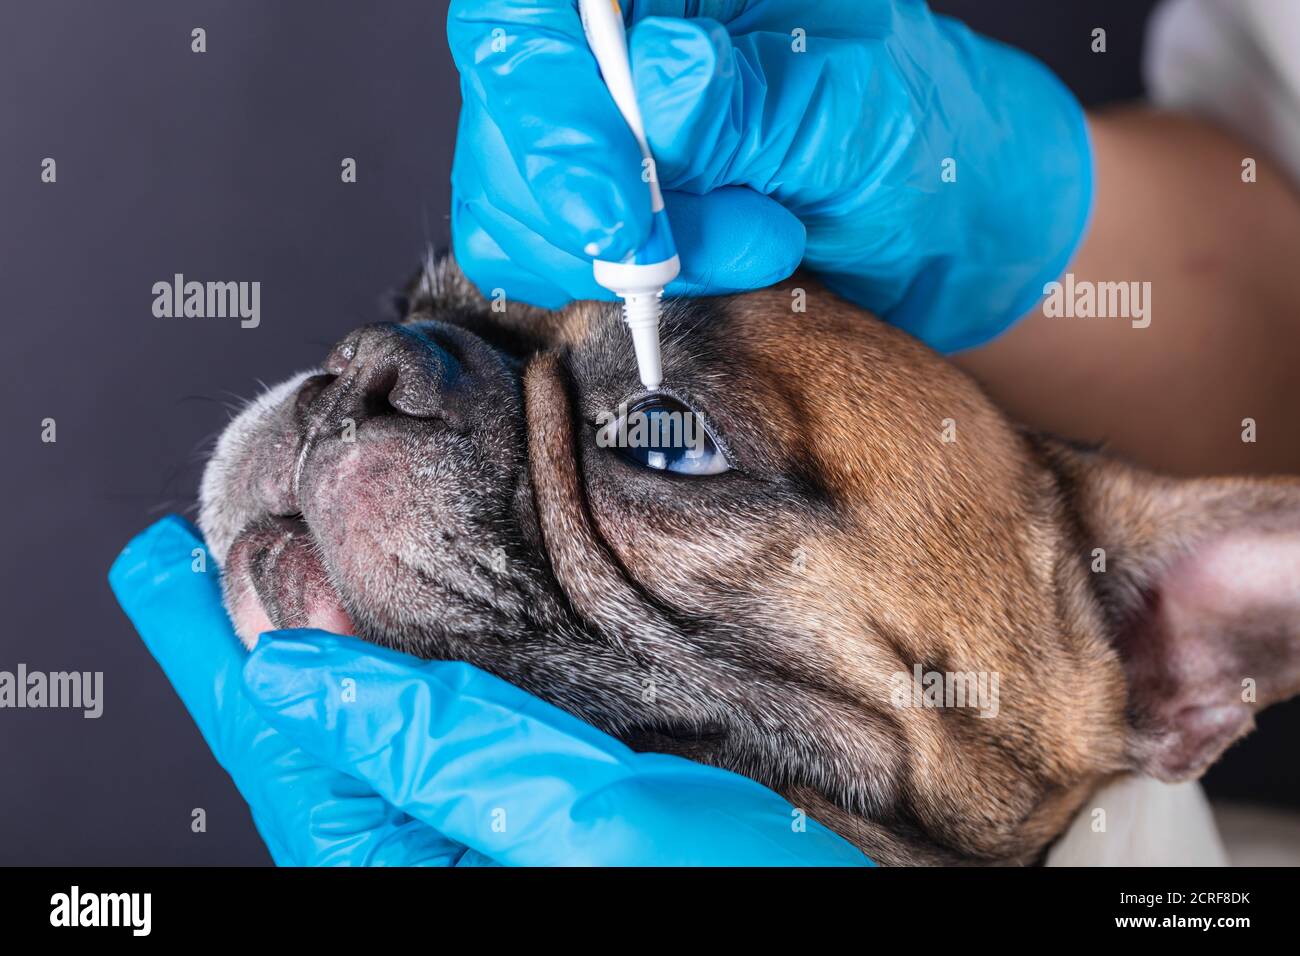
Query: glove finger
[(526, 66), (749, 111), (170, 588), (510, 775), (498, 252), (305, 812), (829, 17), (732, 240), (312, 815)]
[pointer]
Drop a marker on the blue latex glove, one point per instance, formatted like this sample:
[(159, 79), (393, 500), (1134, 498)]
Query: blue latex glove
[(833, 156), (351, 754)]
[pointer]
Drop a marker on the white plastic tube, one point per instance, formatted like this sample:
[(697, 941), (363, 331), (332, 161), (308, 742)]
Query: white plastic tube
[(639, 280)]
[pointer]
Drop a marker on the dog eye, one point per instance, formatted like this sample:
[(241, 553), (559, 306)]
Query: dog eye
[(661, 433)]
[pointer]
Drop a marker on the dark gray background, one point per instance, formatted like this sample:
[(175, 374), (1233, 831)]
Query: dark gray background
[(225, 165)]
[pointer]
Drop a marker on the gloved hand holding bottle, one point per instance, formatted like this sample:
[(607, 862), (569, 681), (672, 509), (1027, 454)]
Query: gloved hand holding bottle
[(934, 176)]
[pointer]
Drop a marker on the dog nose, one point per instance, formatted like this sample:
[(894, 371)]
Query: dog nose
[(385, 369)]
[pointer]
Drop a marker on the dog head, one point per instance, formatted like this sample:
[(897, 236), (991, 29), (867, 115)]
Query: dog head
[(854, 580)]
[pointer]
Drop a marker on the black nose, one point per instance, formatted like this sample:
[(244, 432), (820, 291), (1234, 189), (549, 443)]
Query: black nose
[(385, 369)]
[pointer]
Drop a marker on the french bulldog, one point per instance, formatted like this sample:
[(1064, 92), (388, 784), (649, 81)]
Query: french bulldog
[(793, 595)]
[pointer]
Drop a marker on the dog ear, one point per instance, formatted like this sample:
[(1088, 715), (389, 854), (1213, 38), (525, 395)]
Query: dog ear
[(1201, 589)]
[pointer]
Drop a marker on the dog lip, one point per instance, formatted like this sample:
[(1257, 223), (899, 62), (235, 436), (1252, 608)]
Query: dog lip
[(275, 533), (278, 559)]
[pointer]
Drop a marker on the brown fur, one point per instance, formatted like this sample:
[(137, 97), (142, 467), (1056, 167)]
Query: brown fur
[(754, 619)]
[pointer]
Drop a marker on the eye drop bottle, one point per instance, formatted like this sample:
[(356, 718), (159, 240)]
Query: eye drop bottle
[(640, 278)]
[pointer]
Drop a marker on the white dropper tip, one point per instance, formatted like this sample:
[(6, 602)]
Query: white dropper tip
[(641, 313), (639, 278)]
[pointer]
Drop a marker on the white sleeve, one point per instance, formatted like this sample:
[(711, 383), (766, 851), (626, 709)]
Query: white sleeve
[(1145, 823), (1233, 61)]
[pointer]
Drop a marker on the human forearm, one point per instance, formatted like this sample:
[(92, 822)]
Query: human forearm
[(1220, 254)]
